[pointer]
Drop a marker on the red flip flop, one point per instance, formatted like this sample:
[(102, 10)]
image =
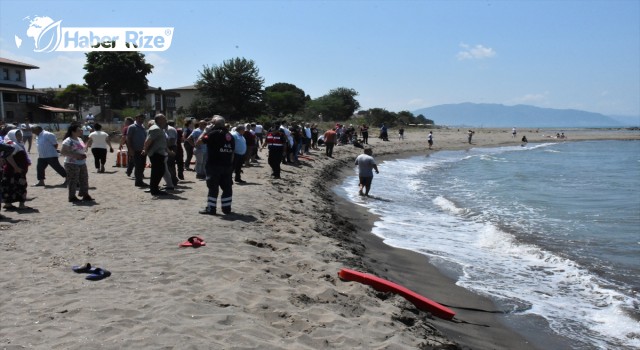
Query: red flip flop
[(193, 241)]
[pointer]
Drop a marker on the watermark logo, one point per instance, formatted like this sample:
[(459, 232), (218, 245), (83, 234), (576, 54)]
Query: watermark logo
[(49, 35)]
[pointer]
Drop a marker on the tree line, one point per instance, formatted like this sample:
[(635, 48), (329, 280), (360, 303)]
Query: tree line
[(233, 89)]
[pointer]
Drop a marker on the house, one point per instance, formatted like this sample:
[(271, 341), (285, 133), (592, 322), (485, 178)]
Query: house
[(17, 102), (155, 101), (187, 95), (162, 101)]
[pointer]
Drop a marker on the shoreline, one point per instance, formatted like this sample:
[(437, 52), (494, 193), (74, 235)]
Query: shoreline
[(410, 269), (471, 329), (267, 277), (414, 271)]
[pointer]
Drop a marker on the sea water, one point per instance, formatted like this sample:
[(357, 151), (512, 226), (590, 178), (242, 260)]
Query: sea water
[(545, 229)]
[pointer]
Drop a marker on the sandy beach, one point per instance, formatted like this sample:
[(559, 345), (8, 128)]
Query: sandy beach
[(266, 279)]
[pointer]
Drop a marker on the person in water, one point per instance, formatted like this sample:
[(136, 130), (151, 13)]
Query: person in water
[(366, 165)]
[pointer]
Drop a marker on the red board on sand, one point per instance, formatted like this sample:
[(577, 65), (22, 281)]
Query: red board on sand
[(383, 285)]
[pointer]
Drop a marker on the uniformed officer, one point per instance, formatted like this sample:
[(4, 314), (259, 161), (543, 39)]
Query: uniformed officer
[(277, 142), (219, 167)]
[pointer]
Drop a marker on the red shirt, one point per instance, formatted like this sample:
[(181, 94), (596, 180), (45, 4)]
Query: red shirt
[(330, 136)]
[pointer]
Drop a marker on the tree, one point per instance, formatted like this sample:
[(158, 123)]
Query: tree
[(421, 119), (202, 107), (338, 104), (74, 94), (378, 116), (235, 88), (282, 99), (405, 117), (117, 72), (348, 105)]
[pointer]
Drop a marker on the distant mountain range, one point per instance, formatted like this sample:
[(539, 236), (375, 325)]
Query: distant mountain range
[(497, 115)]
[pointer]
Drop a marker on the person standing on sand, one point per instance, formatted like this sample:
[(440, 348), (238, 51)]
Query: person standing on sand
[(240, 150), (470, 135), (98, 142), (219, 166), (430, 139), (123, 142), (75, 163), (383, 133), (27, 135), (364, 131), (136, 135), (188, 147), (277, 143), (179, 157), (14, 173), (198, 149), (47, 155), (86, 130), (6, 155), (155, 146), (514, 132), (366, 164), (330, 141), (172, 145)]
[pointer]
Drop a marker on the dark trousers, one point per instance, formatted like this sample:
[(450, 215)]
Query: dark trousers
[(43, 163), (365, 137), (139, 163), (180, 160), (306, 142), (219, 177), (275, 158), (171, 165), (157, 171), (188, 150), (131, 164), (329, 149), (238, 160), (99, 157)]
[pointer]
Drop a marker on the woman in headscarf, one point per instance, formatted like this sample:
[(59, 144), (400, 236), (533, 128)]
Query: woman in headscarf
[(14, 176)]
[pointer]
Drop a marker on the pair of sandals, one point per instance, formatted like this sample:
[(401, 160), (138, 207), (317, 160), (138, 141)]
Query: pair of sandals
[(193, 241), (95, 273)]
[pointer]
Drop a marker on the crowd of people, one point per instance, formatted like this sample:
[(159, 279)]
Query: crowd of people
[(216, 151)]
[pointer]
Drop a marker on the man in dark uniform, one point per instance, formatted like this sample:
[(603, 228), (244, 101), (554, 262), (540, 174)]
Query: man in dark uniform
[(219, 169), (277, 143)]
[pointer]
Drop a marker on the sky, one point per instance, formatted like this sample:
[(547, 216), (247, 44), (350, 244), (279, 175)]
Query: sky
[(398, 55)]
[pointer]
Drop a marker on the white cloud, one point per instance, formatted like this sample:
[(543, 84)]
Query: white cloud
[(477, 52)]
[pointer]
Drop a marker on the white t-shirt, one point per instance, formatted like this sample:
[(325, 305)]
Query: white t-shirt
[(365, 165), (99, 139), (86, 130)]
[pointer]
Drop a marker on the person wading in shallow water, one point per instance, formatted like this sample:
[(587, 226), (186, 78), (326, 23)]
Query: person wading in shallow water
[(366, 165)]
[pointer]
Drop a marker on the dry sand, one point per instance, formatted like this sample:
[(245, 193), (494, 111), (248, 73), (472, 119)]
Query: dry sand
[(267, 278)]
